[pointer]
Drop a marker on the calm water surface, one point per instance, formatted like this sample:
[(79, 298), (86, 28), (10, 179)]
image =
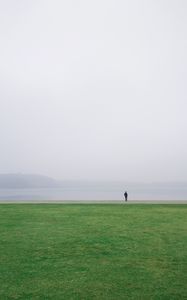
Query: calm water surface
[(96, 192)]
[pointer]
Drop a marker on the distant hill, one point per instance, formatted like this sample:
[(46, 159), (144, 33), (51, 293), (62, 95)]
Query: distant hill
[(27, 181)]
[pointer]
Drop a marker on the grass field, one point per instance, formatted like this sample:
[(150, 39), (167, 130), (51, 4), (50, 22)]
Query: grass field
[(93, 251)]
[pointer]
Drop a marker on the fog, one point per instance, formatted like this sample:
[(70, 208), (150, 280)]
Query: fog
[(94, 89)]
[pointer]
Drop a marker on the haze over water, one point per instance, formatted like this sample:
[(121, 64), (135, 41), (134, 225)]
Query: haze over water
[(96, 192)]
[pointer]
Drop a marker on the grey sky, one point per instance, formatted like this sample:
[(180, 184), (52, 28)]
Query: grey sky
[(94, 89)]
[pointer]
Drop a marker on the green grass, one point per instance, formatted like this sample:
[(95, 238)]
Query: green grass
[(93, 251)]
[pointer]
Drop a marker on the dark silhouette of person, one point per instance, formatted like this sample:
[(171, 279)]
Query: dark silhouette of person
[(126, 196)]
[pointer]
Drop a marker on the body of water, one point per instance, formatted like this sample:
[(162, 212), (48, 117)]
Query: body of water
[(97, 192)]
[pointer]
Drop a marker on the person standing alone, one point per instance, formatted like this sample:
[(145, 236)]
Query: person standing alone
[(126, 196)]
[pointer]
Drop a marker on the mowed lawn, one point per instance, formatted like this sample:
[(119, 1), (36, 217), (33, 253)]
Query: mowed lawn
[(93, 251)]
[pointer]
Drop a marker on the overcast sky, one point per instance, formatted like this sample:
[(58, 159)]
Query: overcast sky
[(94, 89)]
